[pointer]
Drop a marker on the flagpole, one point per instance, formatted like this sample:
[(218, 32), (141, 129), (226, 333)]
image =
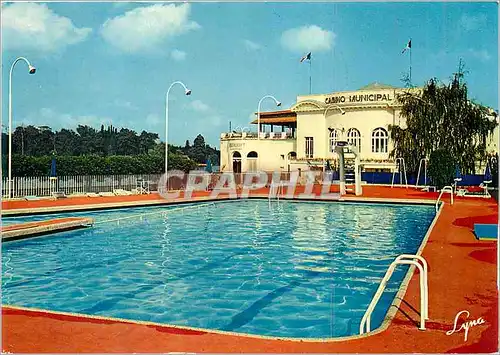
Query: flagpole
[(410, 67), (310, 81)]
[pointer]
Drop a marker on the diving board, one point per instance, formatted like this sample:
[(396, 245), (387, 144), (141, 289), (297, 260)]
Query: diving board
[(486, 231)]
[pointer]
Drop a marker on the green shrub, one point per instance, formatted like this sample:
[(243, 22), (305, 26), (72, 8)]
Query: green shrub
[(441, 168), (25, 165)]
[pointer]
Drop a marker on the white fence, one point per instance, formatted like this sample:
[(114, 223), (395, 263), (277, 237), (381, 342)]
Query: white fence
[(80, 185), (45, 186)]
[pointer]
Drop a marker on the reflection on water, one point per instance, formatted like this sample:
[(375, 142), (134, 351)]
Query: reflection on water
[(288, 269)]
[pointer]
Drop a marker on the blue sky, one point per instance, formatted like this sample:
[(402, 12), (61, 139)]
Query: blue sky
[(113, 62)]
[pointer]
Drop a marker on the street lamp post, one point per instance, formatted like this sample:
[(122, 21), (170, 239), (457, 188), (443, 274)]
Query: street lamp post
[(327, 139), (187, 92), (258, 112), (31, 70)]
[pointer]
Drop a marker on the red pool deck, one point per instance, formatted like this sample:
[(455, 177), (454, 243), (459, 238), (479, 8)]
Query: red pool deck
[(462, 277)]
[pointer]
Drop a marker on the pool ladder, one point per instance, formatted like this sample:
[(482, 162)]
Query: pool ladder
[(443, 190), (275, 190), (403, 259)]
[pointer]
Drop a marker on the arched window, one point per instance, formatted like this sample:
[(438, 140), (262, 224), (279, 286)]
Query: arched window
[(379, 140), (292, 155), (354, 138), (237, 162), (252, 161), (333, 139)]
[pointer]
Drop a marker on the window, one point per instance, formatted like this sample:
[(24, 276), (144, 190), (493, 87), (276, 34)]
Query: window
[(252, 161), (354, 138), (309, 147), (237, 162), (333, 139), (379, 140)]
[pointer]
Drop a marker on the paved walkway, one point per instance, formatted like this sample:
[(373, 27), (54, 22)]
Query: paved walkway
[(462, 276)]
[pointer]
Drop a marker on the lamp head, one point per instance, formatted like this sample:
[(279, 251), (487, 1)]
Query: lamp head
[(278, 103), (188, 92), (342, 111), (32, 69)]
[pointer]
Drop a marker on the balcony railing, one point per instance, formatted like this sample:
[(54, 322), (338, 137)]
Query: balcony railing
[(253, 135)]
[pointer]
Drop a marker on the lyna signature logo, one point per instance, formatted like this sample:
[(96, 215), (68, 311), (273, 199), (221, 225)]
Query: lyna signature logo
[(465, 325)]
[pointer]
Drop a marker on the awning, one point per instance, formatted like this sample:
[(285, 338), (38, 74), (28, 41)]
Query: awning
[(276, 120)]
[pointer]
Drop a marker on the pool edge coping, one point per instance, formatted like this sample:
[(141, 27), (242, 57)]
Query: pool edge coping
[(18, 212), (388, 318)]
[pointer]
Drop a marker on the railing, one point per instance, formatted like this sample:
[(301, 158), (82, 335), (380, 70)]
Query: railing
[(253, 135), (403, 259), (425, 161), (443, 190), (401, 171), (44, 185), (275, 189)]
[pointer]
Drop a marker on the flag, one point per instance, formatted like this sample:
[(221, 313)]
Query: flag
[(306, 57), (408, 46)]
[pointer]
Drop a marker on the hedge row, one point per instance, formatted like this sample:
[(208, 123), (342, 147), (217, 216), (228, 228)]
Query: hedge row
[(23, 165)]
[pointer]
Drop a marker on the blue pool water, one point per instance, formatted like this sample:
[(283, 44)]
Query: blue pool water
[(297, 269)]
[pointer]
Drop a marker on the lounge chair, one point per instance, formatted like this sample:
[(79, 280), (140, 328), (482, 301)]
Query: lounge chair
[(59, 194), (486, 231), (475, 191), (106, 194), (91, 194), (121, 192), (31, 198)]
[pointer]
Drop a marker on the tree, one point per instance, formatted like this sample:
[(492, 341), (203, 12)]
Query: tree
[(147, 141), (66, 142), (127, 142), (441, 168), (198, 150), (442, 117)]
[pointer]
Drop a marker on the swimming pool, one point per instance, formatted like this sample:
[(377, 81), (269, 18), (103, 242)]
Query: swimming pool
[(293, 269)]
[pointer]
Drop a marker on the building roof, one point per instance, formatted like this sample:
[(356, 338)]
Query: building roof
[(276, 117), (276, 120), (376, 85), (276, 113)]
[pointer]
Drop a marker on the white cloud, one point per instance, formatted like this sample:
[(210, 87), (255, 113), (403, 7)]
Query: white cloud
[(33, 26), (251, 46), (473, 22), (199, 106), (178, 55), (147, 28), (125, 104), (153, 123), (308, 39), (481, 54), (56, 120)]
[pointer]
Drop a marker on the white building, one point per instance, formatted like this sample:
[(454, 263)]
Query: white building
[(303, 137)]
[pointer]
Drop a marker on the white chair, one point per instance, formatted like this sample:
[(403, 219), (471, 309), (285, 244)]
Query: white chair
[(283, 135), (262, 135), (271, 135)]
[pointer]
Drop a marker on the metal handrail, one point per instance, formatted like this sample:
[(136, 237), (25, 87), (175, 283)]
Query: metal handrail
[(400, 177), (426, 283), (447, 188), (279, 190), (425, 161), (365, 325)]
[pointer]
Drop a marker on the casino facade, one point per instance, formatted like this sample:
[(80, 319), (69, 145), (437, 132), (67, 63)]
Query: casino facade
[(304, 136)]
